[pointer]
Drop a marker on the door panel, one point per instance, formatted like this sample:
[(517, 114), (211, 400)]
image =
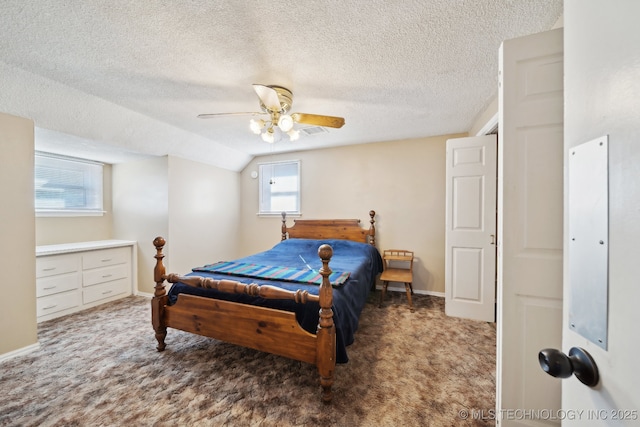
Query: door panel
[(470, 228), (539, 324), (467, 274), (530, 215), (603, 98), (467, 203), (541, 149)]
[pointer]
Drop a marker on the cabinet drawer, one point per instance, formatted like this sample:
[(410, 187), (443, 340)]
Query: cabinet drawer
[(56, 284), (105, 290), (105, 274), (105, 257), (57, 302), (57, 264)]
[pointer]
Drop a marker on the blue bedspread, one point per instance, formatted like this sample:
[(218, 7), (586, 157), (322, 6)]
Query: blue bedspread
[(362, 260)]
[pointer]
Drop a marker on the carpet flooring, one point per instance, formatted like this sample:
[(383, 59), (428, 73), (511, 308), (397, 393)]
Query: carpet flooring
[(100, 368)]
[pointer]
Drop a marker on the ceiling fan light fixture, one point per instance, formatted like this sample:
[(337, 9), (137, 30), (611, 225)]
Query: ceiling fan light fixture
[(293, 135), (275, 102), (256, 126), (285, 122), (268, 136)]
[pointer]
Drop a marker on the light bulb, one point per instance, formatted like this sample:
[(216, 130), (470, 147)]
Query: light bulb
[(268, 136), (293, 134), (256, 126), (285, 122)]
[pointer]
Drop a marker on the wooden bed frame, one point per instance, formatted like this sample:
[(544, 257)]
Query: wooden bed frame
[(263, 329)]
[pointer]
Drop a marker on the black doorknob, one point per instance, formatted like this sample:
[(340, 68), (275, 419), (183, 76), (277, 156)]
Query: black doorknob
[(579, 362)]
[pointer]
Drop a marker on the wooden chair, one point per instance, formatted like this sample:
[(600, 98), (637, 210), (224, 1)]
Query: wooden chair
[(398, 267)]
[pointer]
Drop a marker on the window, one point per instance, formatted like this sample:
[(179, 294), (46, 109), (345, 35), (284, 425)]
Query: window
[(67, 186), (279, 187)]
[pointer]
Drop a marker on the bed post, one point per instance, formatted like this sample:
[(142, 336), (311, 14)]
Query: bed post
[(284, 225), (326, 341), (372, 228), (159, 299)]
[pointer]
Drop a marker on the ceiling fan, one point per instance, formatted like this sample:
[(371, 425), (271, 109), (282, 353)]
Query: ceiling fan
[(275, 102)]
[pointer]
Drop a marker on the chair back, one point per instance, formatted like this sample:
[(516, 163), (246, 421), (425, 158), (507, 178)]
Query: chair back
[(398, 258)]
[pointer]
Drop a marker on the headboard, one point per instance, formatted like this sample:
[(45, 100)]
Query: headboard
[(347, 229)]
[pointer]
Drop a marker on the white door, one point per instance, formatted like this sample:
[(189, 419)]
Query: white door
[(603, 98), (530, 224), (470, 258)]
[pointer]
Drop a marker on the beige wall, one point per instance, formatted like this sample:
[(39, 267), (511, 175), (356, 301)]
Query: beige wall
[(140, 209), (403, 181), (202, 210), (18, 327), (194, 206), (54, 230), (204, 214)]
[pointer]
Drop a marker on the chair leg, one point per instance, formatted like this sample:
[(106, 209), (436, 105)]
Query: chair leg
[(383, 293), (409, 290)]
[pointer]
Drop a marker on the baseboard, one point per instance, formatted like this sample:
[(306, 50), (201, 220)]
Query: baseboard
[(432, 293), (19, 352), (415, 291), (143, 294)]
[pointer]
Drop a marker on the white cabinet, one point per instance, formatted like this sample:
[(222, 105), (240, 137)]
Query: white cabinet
[(105, 273), (58, 283), (77, 276)]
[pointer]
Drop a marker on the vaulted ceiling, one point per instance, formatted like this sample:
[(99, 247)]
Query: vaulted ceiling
[(134, 74)]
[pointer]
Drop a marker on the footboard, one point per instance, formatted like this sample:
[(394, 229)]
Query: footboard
[(264, 329)]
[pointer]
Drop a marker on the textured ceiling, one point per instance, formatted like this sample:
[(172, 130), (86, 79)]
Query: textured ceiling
[(135, 73)]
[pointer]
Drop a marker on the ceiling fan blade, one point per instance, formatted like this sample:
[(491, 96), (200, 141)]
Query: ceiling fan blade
[(318, 120), (214, 115), (268, 96)]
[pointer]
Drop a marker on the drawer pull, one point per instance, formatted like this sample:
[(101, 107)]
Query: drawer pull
[(105, 260), (107, 275), (49, 307), (106, 292), (46, 288), (49, 269)]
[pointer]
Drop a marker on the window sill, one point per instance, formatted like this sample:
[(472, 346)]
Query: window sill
[(67, 213), (279, 214)]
